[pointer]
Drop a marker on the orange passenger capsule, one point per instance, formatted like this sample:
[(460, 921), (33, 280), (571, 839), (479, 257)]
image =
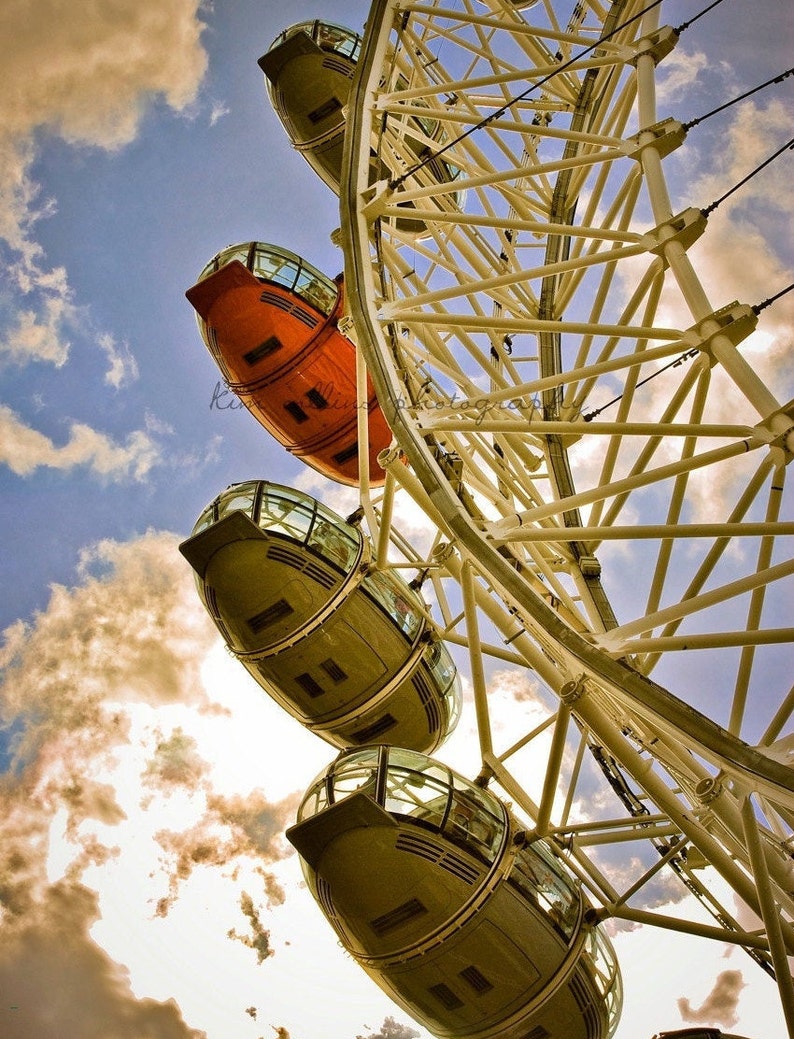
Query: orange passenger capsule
[(270, 320)]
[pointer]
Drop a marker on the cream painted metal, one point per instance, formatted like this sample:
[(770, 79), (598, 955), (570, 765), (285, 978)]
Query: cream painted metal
[(595, 440)]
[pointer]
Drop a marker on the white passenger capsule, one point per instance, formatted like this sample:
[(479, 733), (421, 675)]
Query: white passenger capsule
[(309, 69), (345, 648), (432, 886)]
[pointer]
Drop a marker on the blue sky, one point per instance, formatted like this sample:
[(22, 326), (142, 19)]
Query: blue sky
[(137, 140), (131, 227)]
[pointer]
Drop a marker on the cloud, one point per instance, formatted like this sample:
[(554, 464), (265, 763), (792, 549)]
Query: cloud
[(219, 110), (230, 830), (175, 763), (131, 635), (98, 68), (391, 1029), (24, 450), (135, 634), (679, 74), (88, 75), (259, 939), (57, 981), (719, 1007), (123, 367), (39, 335)]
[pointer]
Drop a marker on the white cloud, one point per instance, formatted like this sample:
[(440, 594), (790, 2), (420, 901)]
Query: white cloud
[(679, 73), (24, 450), (123, 367), (88, 75), (219, 110), (97, 67), (39, 336)]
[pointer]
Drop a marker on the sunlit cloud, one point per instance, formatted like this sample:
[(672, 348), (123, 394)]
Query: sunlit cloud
[(97, 71), (50, 950), (24, 450), (391, 1029), (719, 1006), (71, 676), (39, 335)]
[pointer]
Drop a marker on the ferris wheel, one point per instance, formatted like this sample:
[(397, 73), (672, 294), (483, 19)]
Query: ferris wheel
[(605, 467), (599, 464)]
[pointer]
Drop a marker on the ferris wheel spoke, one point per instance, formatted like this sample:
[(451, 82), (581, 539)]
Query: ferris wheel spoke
[(581, 426)]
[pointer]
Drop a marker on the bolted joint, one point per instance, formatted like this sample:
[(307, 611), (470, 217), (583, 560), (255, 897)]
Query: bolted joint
[(685, 229), (657, 45), (708, 790), (735, 322), (664, 137), (572, 691)]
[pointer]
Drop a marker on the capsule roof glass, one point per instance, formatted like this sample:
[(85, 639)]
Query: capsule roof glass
[(327, 35), (291, 513), (281, 267)]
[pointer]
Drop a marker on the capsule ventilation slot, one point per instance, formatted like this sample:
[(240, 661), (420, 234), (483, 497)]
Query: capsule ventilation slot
[(476, 979), (265, 349), (316, 399), (287, 556), (429, 701), (212, 601), (398, 917), (373, 731), (426, 849), (344, 67), (274, 300), (326, 901), (333, 670), (445, 996), (538, 1032), (584, 1000), (278, 611)]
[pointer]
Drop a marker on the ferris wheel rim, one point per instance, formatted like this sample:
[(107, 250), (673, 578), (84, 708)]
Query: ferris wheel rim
[(739, 759)]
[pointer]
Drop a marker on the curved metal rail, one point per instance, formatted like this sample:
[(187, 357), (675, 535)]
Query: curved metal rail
[(704, 781)]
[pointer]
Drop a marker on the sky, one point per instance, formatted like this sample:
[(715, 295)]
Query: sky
[(146, 888)]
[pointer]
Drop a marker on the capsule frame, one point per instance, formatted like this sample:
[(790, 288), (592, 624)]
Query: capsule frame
[(270, 320), (467, 925), (347, 649)]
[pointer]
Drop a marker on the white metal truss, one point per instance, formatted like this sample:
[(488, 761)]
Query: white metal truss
[(602, 465)]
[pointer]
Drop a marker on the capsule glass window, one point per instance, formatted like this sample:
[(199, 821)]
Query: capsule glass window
[(541, 878), (338, 39), (233, 252), (396, 599), (446, 674), (240, 498), (287, 512), (275, 265), (333, 541)]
